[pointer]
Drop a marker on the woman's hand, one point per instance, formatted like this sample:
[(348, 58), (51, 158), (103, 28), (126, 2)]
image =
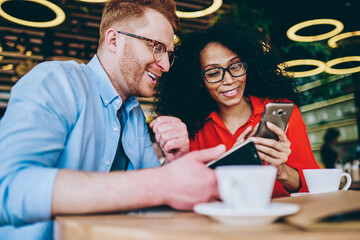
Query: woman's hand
[(276, 153), (249, 132)]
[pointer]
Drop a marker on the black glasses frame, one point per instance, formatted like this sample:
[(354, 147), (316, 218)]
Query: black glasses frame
[(227, 69), (171, 54)]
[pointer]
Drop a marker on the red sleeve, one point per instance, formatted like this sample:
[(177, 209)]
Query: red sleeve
[(301, 156)]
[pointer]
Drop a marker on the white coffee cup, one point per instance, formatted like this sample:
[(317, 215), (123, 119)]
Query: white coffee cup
[(246, 188), (325, 180)]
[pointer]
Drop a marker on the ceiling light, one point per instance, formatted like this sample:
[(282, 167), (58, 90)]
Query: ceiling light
[(291, 33), (332, 41), (336, 61), (213, 8), (93, 1), (176, 39), (60, 15), (321, 66), (8, 67)]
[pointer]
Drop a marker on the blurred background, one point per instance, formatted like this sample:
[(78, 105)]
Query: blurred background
[(319, 39)]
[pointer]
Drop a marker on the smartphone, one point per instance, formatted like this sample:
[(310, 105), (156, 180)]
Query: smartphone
[(276, 113), (242, 154)]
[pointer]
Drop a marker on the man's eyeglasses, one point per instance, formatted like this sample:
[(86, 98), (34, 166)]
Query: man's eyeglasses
[(159, 49), (217, 74)]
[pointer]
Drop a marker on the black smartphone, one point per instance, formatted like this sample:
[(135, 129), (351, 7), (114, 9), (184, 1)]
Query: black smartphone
[(242, 154), (276, 113)]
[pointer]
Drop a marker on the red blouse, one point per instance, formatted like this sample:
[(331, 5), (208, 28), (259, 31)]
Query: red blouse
[(215, 132)]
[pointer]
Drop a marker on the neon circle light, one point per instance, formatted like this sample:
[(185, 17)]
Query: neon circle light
[(335, 61), (333, 41), (291, 32), (60, 15), (213, 8), (321, 66), (93, 1)]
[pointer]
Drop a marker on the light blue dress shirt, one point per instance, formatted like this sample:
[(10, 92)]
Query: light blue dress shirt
[(61, 115)]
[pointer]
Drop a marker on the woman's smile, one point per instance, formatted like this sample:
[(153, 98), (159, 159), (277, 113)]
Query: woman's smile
[(231, 93)]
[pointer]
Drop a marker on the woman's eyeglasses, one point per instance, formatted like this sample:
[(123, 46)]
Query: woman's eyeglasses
[(217, 74), (159, 49)]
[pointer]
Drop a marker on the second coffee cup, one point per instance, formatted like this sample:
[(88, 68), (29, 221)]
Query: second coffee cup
[(325, 180)]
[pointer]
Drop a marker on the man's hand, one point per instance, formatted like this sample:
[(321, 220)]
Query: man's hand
[(188, 181), (172, 136), (180, 184)]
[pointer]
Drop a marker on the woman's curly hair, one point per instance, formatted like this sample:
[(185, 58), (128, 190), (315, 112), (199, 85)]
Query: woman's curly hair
[(182, 93)]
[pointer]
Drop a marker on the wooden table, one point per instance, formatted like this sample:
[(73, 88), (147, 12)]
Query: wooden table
[(355, 185), (164, 225)]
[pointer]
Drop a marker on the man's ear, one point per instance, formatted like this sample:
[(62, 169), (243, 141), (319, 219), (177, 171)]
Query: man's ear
[(110, 39)]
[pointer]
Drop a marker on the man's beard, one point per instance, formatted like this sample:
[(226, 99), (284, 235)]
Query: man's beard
[(133, 73)]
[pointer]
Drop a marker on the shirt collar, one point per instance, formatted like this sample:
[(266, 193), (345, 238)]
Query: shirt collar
[(130, 103), (106, 89), (257, 108), (257, 105), (215, 117)]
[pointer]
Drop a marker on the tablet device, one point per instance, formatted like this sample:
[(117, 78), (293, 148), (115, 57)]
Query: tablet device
[(242, 154)]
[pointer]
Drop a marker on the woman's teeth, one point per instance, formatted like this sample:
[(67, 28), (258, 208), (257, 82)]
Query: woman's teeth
[(230, 92)]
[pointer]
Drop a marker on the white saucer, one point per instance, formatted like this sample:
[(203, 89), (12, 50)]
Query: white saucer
[(307, 193), (297, 194), (230, 216)]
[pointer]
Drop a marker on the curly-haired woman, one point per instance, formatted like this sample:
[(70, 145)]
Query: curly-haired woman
[(219, 86)]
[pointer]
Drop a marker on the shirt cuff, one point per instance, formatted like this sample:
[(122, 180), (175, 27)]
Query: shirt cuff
[(30, 199)]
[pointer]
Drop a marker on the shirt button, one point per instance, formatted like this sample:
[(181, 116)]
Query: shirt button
[(117, 101), (116, 129), (107, 163)]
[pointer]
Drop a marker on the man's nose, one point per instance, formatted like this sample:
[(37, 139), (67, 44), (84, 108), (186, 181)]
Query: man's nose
[(164, 63)]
